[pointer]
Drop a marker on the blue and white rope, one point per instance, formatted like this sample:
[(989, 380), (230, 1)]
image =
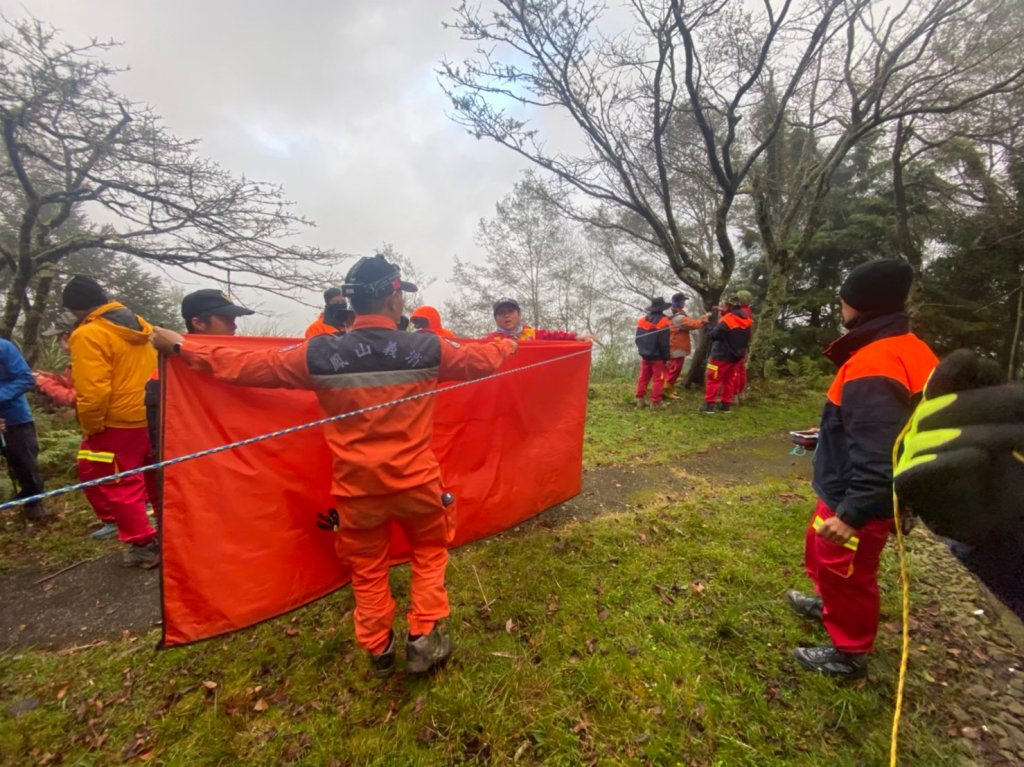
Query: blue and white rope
[(274, 434)]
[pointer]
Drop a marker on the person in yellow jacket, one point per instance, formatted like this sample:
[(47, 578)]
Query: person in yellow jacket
[(111, 360)]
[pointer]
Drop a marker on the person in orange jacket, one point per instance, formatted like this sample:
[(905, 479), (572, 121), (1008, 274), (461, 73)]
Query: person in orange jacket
[(652, 344), (206, 312), (680, 345), (111, 360), (384, 469), (336, 316), (730, 339), (427, 319)]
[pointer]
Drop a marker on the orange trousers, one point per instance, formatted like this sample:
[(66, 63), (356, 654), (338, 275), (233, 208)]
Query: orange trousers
[(363, 537)]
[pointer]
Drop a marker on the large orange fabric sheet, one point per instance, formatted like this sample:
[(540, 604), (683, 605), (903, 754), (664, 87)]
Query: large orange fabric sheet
[(239, 531)]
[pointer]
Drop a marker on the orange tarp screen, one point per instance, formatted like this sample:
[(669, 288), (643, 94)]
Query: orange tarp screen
[(239, 531)]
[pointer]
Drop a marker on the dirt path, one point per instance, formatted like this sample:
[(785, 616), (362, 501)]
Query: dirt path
[(97, 600), (101, 599)]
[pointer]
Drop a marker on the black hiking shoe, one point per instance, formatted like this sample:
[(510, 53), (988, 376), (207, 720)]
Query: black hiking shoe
[(829, 661), (36, 514), (708, 409), (724, 407), (428, 651), (384, 663), (147, 557), (805, 606)]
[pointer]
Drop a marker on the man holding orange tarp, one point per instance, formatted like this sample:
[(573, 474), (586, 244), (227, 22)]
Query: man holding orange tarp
[(384, 469)]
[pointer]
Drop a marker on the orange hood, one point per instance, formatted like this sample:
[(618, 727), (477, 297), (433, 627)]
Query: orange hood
[(433, 318)]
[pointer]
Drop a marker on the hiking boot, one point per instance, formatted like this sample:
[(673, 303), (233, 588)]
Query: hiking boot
[(724, 407), (384, 663), (427, 651), (708, 409), (829, 661), (660, 403), (641, 402), (109, 530), (805, 606), (146, 556), (35, 513)]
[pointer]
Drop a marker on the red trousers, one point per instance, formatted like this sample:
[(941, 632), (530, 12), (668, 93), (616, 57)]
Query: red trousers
[(123, 502), (722, 376), (847, 581), (673, 369), (651, 372), (363, 538)]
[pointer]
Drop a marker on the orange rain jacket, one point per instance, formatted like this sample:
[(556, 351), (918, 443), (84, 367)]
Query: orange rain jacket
[(383, 451), (680, 325), (111, 361), (433, 318), (320, 328)]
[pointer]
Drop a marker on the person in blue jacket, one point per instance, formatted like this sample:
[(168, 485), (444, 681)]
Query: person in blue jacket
[(18, 436)]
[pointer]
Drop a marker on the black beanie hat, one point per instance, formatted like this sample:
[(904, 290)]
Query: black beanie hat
[(878, 287), (82, 292)]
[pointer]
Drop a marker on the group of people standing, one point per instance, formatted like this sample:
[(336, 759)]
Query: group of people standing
[(357, 355), (663, 340)]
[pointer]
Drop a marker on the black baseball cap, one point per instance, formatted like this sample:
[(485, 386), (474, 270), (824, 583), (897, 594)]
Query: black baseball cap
[(211, 301), (375, 277), (511, 303)]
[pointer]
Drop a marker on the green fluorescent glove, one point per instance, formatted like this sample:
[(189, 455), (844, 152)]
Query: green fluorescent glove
[(962, 464)]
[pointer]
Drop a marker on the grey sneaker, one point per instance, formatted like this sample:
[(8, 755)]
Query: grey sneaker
[(109, 530), (428, 651), (641, 402), (724, 407), (147, 556), (708, 409), (829, 661), (384, 663), (805, 606)]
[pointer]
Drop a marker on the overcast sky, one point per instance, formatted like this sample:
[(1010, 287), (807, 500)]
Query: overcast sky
[(337, 100)]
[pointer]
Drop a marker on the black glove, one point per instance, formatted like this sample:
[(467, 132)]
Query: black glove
[(329, 521), (962, 465)]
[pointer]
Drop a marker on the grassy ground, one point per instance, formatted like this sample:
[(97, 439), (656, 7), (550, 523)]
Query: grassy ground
[(652, 637)]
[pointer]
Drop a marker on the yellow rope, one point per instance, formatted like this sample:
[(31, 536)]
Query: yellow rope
[(901, 555)]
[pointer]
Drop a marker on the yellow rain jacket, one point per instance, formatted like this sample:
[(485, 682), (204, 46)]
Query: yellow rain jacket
[(111, 360)]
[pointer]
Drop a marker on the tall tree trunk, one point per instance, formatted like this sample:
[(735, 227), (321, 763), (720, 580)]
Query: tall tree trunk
[(34, 316), (16, 298), (780, 269)]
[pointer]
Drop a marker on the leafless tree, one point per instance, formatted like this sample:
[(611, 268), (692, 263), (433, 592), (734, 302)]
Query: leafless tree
[(73, 146), (891, 65), (657, 107)]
